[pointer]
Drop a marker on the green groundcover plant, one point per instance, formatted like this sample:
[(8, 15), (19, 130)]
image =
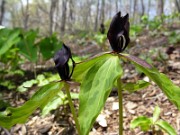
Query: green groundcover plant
[(153, 124), (18, 46), (96, 77)]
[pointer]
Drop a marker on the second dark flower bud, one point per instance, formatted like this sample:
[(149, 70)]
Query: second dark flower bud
[(61, 59)]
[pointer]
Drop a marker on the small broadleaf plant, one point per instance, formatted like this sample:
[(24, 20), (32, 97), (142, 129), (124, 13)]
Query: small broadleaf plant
[(153, 124), (96, 77)]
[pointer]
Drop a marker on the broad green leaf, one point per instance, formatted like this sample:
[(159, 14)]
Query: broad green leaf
[(60, 99), (53, 77), (29, 83), (100, 38), (9, 84), (12, 115), (82, 67), (165, 84), (7, 39), (156, 114), (96, 87), (42, 80), (27, 45), (21, 88), (24, 87), (131, 87), (49, 45), (142, 121), (166, 127), (74, 95), (16, 72), (54, 103)]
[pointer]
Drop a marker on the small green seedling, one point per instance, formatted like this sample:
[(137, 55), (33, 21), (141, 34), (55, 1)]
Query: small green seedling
[(153, 124)]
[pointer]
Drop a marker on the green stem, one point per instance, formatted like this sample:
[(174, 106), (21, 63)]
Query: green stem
[(72, 107), (119, 84)]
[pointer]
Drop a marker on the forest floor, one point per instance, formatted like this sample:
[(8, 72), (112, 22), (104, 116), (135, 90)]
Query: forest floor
[(139, 103)]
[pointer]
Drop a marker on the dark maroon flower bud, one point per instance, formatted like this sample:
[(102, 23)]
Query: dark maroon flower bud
[(118, 33), (61, 59)]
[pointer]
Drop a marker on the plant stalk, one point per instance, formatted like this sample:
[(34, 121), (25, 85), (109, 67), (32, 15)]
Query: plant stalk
[(120, 98), (66, 85)]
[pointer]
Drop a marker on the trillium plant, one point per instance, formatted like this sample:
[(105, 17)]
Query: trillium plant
[(96, 77)]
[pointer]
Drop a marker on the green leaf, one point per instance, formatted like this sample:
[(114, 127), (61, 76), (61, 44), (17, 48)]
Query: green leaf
[(12, 115), (54, 103), (100, 38), (21, 88), (27, 84), (7, 39), (96, 87), (166, 127), (165, 84), (42, 80), (60, 99), (131, 87), (49, 45), (156, 114), (27, 45), (81, 68), (74, 95), (9, 84), (143, 122)]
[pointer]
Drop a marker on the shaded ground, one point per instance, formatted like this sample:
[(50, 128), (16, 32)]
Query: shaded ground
[(139, 103)]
